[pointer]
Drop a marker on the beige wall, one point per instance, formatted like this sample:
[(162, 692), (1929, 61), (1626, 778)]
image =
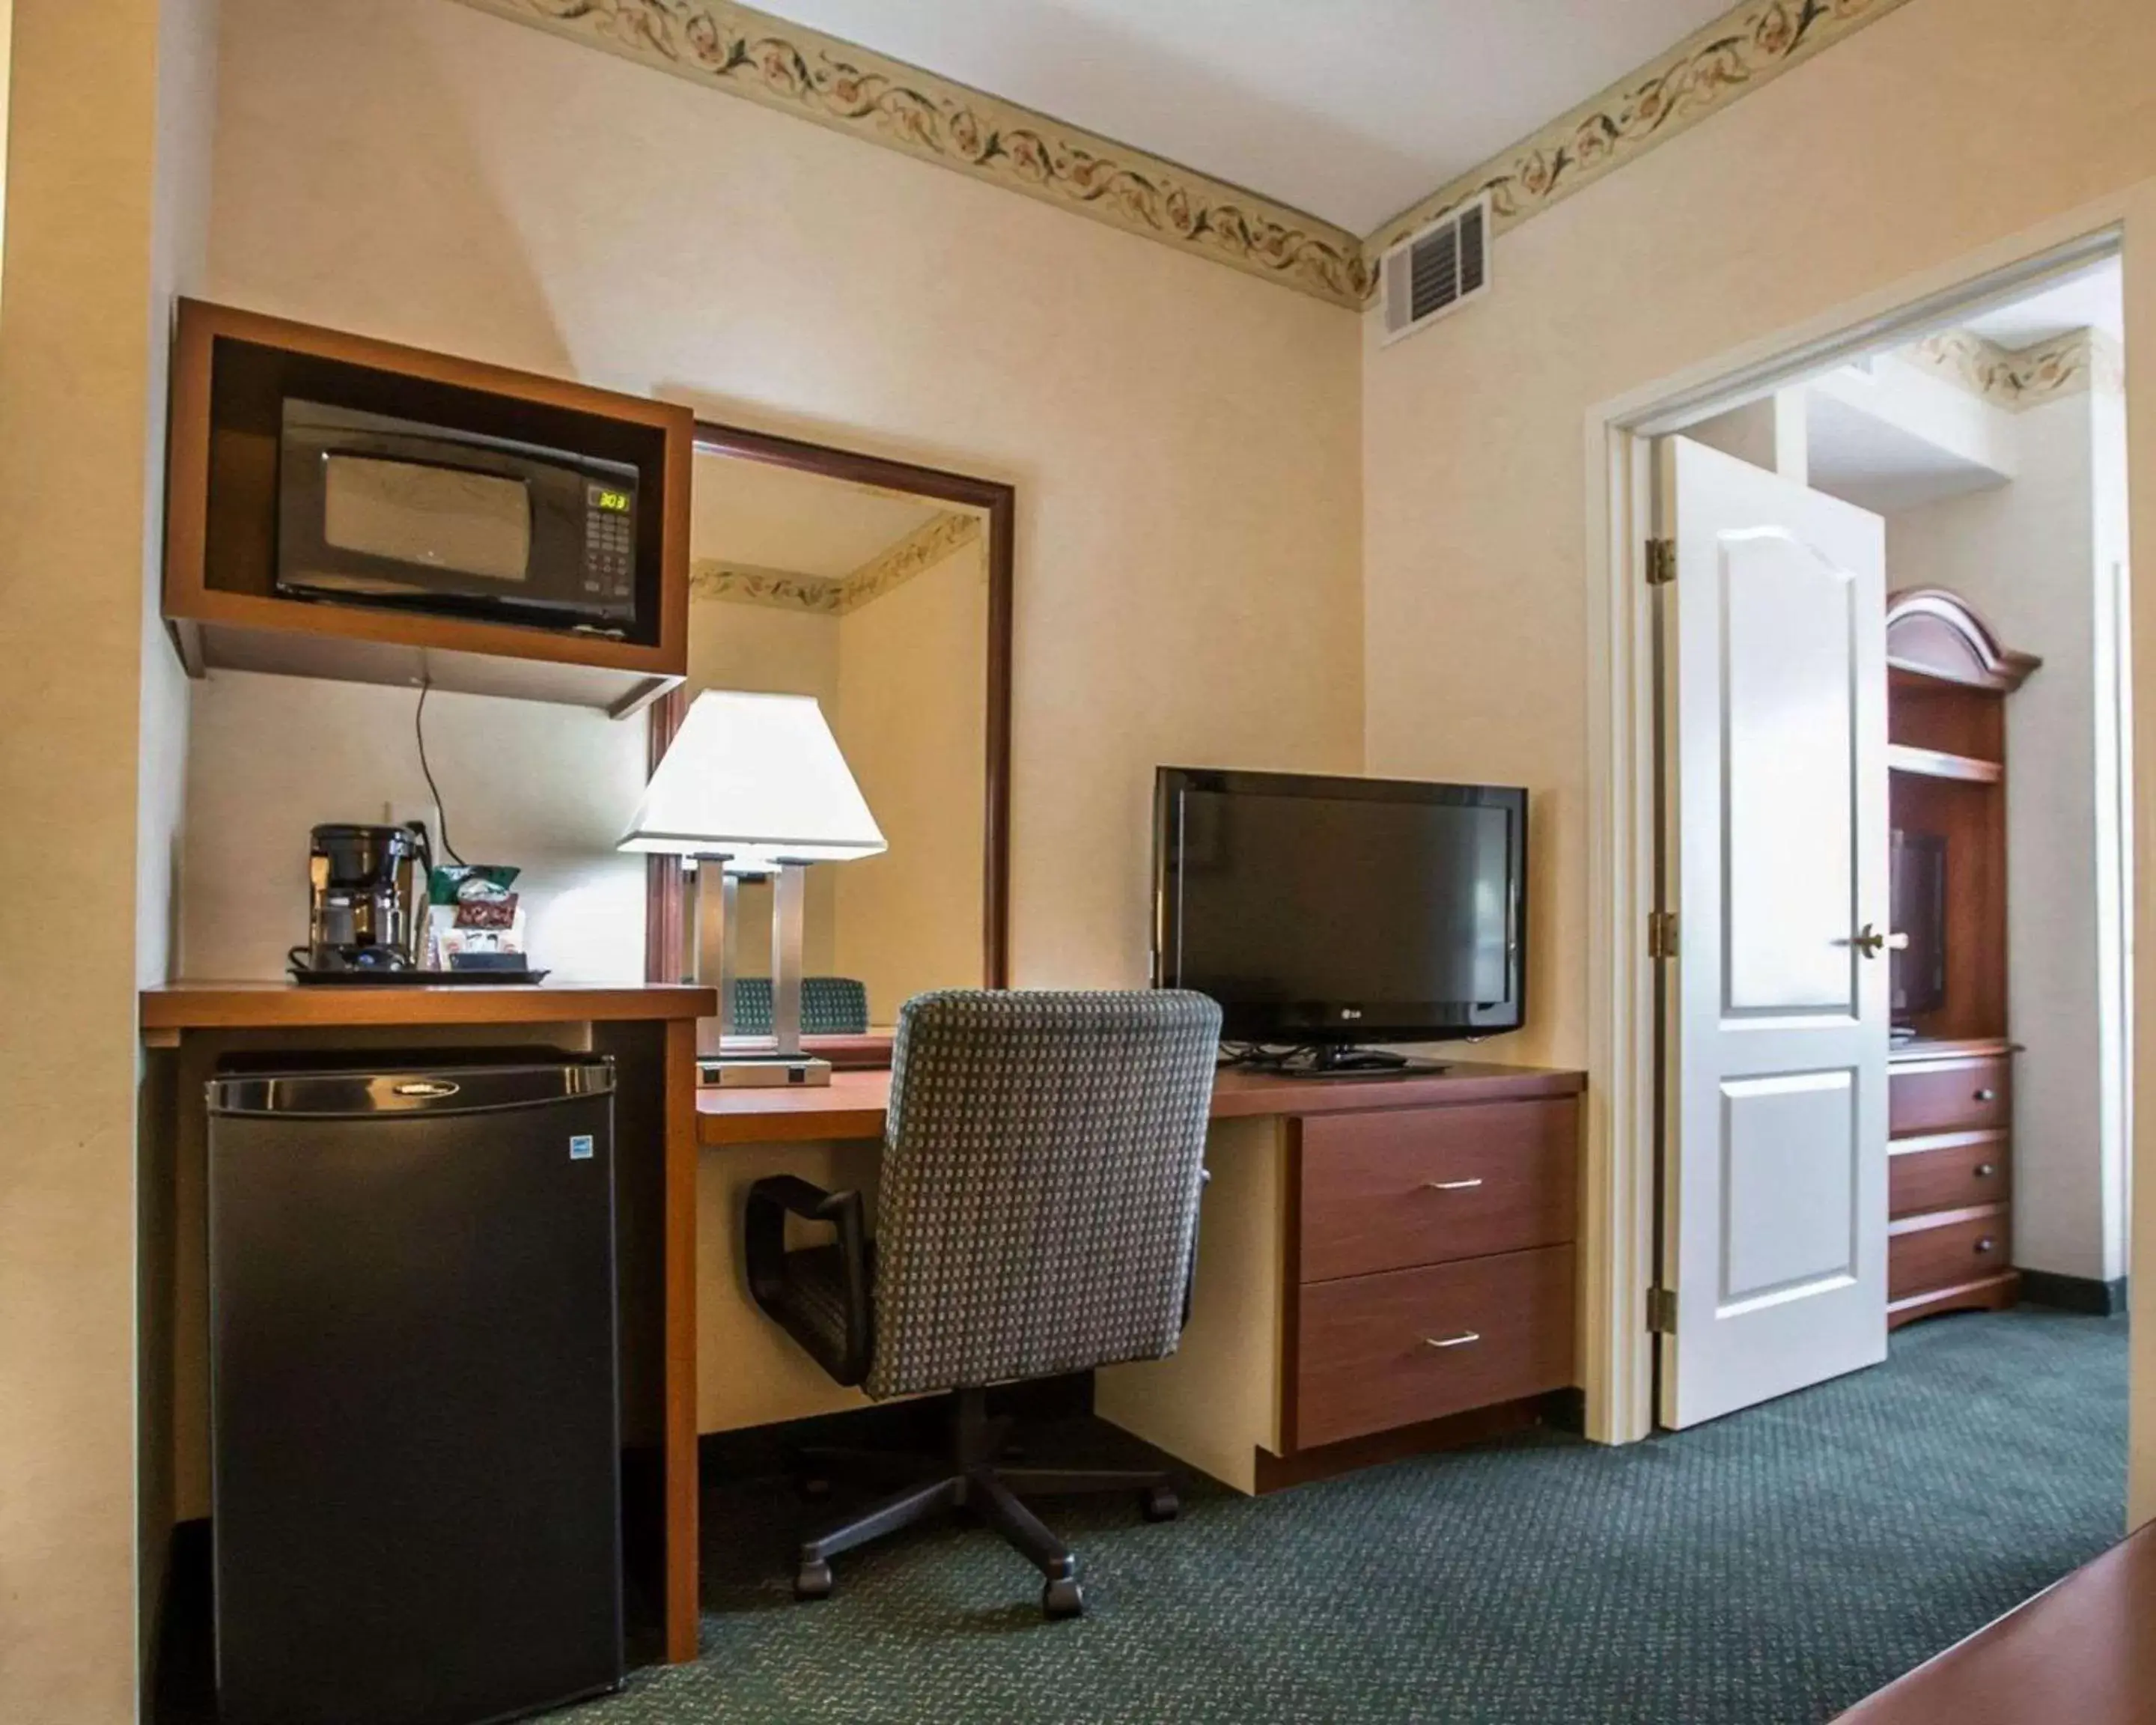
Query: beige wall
[(1947, 127), (1184, 440), (102, 164), (549, 788), (912, 721)]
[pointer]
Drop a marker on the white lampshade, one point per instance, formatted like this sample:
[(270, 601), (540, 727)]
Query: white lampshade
[(757, 774)]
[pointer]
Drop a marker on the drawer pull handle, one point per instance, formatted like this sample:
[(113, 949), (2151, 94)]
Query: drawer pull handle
[(1985, 1244), (1462, 1340), (1451, 1185), (1987, 1095), (1985, 1170)]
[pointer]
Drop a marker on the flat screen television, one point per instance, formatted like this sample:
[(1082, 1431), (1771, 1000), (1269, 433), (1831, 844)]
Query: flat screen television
[(1324, 912), (1916, 873)]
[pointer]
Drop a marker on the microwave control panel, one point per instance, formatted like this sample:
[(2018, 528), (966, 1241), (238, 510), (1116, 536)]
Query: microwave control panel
[(609, 542)]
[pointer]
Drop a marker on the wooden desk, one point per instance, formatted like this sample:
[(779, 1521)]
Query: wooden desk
[(2083, 1652), (651, 1033), (1321, 1248), (852, 1104)]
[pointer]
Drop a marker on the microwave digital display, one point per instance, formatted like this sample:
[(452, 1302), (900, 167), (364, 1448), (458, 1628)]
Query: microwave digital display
[(377, 510), (443, 517)]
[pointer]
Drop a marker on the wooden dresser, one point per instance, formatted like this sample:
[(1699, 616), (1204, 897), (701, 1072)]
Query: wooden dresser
[(1949, 1178), (1430, 1262), (1950, 1091)]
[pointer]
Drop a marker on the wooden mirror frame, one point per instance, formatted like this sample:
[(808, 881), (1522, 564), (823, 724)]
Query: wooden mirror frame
[(664, 895)]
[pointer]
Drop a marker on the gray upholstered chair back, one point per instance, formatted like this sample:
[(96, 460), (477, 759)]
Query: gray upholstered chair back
[(831, 1006), (1041, 1175)]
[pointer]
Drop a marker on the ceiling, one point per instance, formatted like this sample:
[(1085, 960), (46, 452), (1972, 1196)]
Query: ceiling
[(2094, 300), (1351, 110), (752, 514), (1881, 466)]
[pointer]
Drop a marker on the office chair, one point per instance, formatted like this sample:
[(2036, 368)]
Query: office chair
[(1037, 1214), (831, 1006)]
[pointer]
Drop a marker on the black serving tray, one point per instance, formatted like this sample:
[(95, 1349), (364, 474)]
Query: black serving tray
[(413, 978)]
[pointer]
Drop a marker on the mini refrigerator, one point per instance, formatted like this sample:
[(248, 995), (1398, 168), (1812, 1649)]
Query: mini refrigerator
[(414, 1434)]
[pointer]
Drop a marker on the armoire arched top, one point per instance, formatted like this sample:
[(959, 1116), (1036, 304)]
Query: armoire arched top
[(1938, 633)]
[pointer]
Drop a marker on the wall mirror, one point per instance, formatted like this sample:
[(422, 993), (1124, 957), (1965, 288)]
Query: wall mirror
[(882, 589)]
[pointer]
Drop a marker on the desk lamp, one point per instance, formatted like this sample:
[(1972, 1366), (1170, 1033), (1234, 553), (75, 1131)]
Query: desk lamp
[(753, 784)]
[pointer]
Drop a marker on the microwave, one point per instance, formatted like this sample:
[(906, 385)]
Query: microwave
[(384, 510)]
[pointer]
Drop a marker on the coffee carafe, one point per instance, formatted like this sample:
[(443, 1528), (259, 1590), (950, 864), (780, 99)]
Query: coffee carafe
[(367, 902)]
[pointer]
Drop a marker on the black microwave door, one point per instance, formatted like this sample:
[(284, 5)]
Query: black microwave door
[(394, 517)]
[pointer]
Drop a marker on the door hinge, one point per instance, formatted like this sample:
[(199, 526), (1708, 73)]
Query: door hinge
[(1661, 934), (1662, 1311), (1661, 561)]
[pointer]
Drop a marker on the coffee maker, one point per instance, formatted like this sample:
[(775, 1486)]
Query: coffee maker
[(367, 903)]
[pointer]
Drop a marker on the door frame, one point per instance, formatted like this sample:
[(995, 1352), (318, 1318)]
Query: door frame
[(1619, 1234)]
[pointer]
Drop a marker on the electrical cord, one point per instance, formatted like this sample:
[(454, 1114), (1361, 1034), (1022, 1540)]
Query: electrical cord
[(441, 810)]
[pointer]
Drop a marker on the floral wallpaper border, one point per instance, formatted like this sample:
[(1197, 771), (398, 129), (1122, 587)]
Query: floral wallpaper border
[(785, 65), (1745, 47), (836, 83), (926, 546), (897, 563), (2020, 378), (747, 584)]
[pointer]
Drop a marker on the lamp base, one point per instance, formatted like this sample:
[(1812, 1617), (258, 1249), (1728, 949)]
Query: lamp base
[(760, 1071)]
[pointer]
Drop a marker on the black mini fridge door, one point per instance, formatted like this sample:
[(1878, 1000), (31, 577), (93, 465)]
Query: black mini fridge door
[(415, 1436)]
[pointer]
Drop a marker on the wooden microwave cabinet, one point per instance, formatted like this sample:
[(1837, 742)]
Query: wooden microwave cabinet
[(1950, 1094), (232, 371)]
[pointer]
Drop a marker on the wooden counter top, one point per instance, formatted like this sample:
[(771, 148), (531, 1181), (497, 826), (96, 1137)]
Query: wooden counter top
[(274, 1005), (2083, 1651), (852, 1104)]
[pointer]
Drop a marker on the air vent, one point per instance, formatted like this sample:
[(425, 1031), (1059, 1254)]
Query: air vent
[(1445, 265)]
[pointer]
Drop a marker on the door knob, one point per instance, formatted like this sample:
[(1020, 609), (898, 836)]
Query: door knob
[(1871, 943)]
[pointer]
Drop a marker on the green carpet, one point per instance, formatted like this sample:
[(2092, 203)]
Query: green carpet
[(1768, 1569)]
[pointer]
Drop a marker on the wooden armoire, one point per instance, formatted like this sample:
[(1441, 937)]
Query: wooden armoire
[(1950, 1072)]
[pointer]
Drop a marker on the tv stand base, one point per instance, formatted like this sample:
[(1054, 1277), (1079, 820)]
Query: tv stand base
[(1330, 1062)]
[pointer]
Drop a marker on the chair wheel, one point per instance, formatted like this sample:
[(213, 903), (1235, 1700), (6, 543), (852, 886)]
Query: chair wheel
[(1161, 1504), (1062, 1598), (811, 1488), (812, 1580)]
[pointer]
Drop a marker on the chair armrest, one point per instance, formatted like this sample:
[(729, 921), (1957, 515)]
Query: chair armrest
[(771, 1200)]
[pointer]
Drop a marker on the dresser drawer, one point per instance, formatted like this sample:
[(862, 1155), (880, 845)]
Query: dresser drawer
[(1375, 1352), (1389, 1190), (1944, 1096), (1959, 1170), (1947, 1253)]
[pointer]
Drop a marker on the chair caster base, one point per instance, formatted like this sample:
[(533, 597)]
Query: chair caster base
[(1161, 1504), (1061, 1598), (812, 1580)]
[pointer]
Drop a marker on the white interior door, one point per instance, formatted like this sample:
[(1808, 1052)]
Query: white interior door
[(1774, 762)]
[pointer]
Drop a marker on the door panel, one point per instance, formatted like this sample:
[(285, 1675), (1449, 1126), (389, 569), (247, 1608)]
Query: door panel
[(1788, 704), (1774, 858), (1788, 1186)]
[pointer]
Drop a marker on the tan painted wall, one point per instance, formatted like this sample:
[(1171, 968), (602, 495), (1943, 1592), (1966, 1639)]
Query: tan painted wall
[(96, 236), (912, 722), (1947, 127), (1184, 440)]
